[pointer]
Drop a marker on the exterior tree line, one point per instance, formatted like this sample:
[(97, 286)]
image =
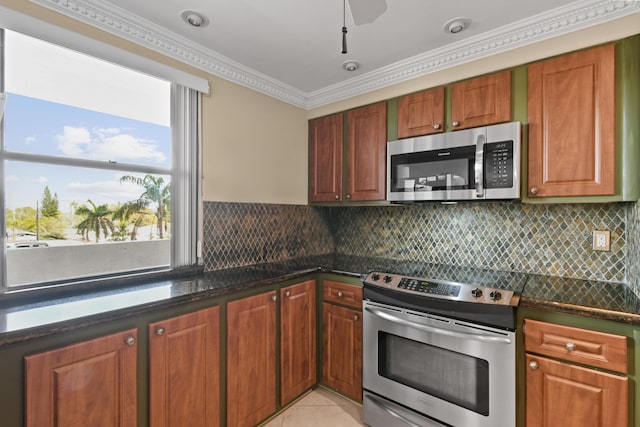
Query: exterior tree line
[(118, 223)]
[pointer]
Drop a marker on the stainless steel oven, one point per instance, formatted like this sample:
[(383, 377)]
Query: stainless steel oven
[(437, 353)]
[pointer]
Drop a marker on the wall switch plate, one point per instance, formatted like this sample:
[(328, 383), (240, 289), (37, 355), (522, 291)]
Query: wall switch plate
[(601, 240)]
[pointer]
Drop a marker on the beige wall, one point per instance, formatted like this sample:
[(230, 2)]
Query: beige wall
[(255, 147)]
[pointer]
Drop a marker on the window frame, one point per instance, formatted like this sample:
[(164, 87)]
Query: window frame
[(185, 104)]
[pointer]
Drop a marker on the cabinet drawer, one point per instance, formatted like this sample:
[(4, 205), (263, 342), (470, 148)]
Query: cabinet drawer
[(342, 293), (597, 349)]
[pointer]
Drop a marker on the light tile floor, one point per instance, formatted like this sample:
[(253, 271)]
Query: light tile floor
[(320, 408)]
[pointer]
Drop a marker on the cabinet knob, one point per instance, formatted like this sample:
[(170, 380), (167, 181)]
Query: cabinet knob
[(455, 124), (348, 196), (534, 365), (437, 126), (160, 331), (570, 346), (534, 190), (288, 293), (356, 317), (337, 197), (130, 340), (339, 294), (274, 298)]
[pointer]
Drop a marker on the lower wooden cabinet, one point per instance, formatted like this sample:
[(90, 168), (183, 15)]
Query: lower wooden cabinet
[(562, 394), (184, 370), (342, 341), (297, 340), (92, 383), (251, 359)]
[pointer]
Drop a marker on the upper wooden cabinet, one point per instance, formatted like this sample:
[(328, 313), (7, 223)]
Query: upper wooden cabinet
[(481, 101), (421, 113), (297, 340), (92, 383), (184, 379), (571, 108), (367, 152), (325, 154), (251, 359)]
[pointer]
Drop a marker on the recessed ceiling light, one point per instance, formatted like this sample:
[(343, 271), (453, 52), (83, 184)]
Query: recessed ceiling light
[(456, 25), (195, 19), (350, 65)]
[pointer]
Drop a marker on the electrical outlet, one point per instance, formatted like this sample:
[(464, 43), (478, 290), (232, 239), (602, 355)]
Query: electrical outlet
[(601, 240)]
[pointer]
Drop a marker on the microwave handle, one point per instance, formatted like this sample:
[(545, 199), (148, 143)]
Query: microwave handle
[(479, 166)]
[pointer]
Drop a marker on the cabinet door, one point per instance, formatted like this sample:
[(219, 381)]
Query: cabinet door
[(325, 153), (366, 152), (481, 101), (92, 383), (297, 340), (571, 124), (342, 349), (251, 359), (184, 382), (571, 396), (421, 113)]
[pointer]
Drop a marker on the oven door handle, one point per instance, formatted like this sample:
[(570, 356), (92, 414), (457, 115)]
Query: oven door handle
[(484, 338), (381, 404)]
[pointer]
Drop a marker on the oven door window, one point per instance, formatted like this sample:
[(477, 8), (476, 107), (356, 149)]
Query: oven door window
[(457, 378), (450, 169)]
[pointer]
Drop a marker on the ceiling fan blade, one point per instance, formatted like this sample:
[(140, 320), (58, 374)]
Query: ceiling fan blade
[(366, 11)]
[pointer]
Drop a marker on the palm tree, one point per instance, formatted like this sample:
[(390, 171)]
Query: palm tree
[(133, 213), (156, 193), (96, 219)]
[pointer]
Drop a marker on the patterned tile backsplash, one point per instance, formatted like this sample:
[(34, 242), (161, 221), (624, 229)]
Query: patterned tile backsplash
[(543, 239), (238, 234)]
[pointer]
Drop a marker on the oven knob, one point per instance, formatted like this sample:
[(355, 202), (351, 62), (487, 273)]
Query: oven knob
[(476, 293), (375, 276), (495, 295), (387, 279)]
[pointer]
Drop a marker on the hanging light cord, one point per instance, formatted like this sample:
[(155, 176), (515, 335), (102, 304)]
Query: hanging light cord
[(344, 26)]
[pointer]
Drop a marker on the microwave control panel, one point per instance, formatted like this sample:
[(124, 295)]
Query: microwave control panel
[(498, 164)]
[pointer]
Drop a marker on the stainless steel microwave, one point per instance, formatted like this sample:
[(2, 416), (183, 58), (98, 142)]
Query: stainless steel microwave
[(475, 164)]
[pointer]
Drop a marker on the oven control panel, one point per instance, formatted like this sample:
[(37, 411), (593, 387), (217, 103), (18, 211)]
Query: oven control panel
[(440, 288)]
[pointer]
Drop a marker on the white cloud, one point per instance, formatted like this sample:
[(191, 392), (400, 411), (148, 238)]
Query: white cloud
[(108, 191), (40, 179), (12, 178), (74, 141), (29, 140), (107, 144)]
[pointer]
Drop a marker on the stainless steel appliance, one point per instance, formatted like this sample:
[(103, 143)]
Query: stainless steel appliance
[(439, 353), (474, 164)]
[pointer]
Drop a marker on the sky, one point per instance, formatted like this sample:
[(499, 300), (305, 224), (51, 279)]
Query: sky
[(62, 103)]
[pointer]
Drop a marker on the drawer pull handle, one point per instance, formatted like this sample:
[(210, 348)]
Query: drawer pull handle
[(160, 331), (570, 346), (534, 365), (288, 293), (339, 294)]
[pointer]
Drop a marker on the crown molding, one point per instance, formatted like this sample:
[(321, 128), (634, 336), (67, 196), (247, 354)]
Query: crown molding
[(575, 16)]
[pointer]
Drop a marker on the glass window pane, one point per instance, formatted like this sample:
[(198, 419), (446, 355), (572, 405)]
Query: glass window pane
[(63, 103), (76, 222)]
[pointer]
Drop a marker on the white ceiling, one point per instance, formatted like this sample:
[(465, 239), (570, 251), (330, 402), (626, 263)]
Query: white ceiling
[(290, 49)]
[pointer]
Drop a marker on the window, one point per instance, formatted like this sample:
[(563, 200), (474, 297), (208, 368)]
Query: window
[(98, 165)]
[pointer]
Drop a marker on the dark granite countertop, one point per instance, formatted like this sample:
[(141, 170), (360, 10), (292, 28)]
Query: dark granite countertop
[(25, 319)]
